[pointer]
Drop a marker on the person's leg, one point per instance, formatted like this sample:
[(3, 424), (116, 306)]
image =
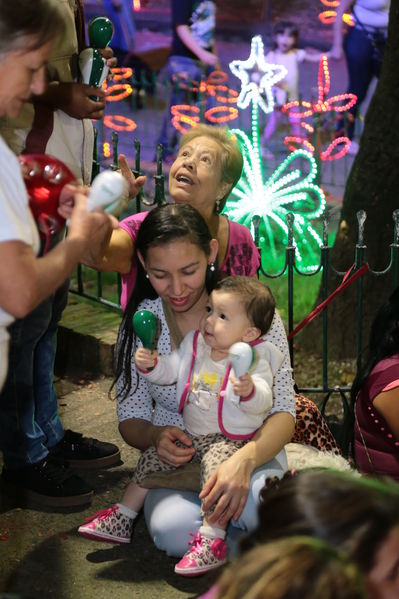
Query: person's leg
[(28, 471), (22, 440), (174, 517), (46, 402), (359, 58), (209, 550)]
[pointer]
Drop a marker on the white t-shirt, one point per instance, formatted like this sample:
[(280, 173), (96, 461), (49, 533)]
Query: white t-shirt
[(16, 220), (287, 88), (372, 13)]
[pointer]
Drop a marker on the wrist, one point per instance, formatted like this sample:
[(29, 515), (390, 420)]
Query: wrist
[(74, 247)]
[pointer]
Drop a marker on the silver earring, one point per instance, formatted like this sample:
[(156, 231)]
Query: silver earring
[(218, 206), (212, 267), (147, 276)]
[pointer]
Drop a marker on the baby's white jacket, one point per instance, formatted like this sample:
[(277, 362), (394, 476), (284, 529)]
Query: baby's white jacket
[(238, 418)]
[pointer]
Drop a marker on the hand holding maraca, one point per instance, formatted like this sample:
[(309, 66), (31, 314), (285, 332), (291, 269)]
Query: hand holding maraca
[(241, 357), (244, 386), (93, 67), (145, 359)]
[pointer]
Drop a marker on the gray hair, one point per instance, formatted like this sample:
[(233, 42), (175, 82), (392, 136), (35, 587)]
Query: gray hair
[(41, 19)]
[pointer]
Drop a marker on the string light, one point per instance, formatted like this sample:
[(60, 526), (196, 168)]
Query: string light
[(121, 73), (327, 17), (288, 189), (185, 116), (304, 109), (229, 114), (257, 77), (124, 89), (106, 149), (119, 122), (181, 118)]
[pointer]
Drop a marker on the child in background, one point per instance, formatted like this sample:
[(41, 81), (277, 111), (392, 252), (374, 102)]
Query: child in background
[(220, 412), (286, 53)]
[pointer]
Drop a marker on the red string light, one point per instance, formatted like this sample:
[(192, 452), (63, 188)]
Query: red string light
[(119, 122), (125, 90), (185, 116), (183, 121), (121, 73), (230, 113), (305, 109)]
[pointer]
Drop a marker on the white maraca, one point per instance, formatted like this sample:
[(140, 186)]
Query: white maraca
[(241, 356), (109, 190)]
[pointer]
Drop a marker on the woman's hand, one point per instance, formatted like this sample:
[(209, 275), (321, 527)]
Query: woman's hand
[(134, 184), (164, 438), (227, 489), (145, 358)]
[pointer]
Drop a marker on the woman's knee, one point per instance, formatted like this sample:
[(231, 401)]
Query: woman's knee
[(170, 517)]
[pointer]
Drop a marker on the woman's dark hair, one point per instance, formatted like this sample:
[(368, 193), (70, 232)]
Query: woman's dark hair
[(286, 27), (20, 19), (257, 298), (161, 226), (351, 512), (383, 341)]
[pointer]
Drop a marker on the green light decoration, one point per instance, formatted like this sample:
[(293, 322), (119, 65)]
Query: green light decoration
[(287, 190)]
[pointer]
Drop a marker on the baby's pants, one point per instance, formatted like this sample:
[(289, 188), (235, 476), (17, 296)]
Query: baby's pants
[(210, 451)]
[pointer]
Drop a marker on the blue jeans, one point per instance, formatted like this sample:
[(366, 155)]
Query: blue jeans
[(364, 52), (29, 422), (189, 73), (172, 515)]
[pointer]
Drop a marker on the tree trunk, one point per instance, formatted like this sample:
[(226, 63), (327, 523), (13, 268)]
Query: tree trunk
[(373, 186)]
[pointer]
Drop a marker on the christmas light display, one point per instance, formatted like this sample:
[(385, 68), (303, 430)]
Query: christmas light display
[(304, 109), (185, 116), (289, 189)]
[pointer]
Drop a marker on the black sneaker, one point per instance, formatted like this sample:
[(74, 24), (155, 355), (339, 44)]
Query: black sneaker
[(47, 483), (83, 452)]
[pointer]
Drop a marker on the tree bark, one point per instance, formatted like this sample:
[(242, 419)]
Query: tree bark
[(373, 186)]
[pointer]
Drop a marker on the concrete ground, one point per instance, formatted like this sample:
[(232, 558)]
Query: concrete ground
[(41, 553)]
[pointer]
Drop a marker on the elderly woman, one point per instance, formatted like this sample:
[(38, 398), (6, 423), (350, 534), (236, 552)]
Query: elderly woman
[(27, 32)]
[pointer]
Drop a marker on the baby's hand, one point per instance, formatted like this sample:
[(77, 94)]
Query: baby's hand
[(145, 359), (242, 386)]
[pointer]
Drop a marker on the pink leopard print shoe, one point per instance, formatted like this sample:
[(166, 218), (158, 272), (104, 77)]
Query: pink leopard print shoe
[(108, 525), (205, 554)]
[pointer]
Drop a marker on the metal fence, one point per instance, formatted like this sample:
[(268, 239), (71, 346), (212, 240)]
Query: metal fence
[(289, 269)]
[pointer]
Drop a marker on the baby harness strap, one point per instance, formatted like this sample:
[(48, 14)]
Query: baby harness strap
[(222, 392)]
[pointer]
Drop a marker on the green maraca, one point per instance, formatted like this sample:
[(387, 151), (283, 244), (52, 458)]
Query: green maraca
[(145, 325), (93, 67), (100, 30)]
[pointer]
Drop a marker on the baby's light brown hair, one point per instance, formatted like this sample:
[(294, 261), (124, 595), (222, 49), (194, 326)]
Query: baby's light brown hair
[(256, 297)]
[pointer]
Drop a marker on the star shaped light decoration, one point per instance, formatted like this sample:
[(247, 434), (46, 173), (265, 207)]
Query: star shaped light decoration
[(257, 77)]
